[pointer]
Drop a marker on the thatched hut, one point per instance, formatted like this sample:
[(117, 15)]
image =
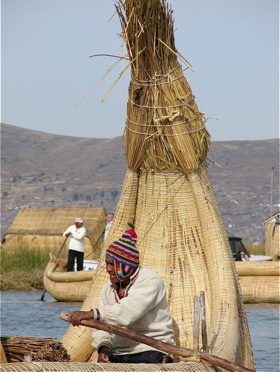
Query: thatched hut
[(42, 228), (272, 236)]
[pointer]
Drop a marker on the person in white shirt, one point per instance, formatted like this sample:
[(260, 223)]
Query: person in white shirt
[(76, 249), (135, 298), (110, 217)]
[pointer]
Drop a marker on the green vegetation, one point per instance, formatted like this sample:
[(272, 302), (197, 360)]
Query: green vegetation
[(22, 269), (25, 259)]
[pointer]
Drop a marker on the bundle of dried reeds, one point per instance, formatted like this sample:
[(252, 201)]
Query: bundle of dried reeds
[(257, 268), (19, 349), (260, 289), (164, 128), (168, 195), (272, 240)]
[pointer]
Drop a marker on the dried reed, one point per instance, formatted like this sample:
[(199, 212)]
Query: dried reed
[(164, 128)]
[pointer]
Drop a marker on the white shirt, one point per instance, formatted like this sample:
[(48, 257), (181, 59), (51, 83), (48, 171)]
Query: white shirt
[(107, 229), (144, 310), (76, 242)]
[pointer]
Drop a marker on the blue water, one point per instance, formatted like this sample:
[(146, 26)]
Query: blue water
[(263, 320), (24, 314)]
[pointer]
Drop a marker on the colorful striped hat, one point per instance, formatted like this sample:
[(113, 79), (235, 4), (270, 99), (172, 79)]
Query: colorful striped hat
[(124, 253)]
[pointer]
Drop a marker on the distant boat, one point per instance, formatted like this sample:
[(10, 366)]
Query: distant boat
[(68, 286), (236, 245)]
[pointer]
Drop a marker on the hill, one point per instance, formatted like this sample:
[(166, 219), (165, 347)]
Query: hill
[(46, 170)]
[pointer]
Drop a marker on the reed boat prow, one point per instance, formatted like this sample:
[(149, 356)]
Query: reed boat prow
[(56, 271), (67, 286)]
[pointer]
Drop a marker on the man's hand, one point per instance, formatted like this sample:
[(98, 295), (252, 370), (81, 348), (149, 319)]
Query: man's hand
[(68, 234), (104, 355), (164, 359), (77, 316)]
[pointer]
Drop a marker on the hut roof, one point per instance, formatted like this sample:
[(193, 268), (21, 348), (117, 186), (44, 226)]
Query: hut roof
[(271, 218), (54, 221)]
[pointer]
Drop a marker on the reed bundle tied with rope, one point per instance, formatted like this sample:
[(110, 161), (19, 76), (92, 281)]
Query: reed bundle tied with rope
[(163, 121), (168, 195), (18, 349)]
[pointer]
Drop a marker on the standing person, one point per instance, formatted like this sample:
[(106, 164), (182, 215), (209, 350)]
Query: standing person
[(76, 249), (135, 298), (110, 217)]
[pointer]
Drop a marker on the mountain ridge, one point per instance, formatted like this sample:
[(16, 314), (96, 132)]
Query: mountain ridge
[(47, 170)]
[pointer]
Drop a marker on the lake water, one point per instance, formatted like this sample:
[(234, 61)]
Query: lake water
[(24, 314)]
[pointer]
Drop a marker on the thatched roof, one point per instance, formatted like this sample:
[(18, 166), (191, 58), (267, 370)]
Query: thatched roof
[(50, 222), (272, 218), (272, 236)]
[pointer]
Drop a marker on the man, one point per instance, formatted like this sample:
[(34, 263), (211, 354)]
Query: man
[(110, 217), (76, 249), (241, 256), (135, 298)]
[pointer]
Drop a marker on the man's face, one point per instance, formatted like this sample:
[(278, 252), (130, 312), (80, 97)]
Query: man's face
[(110, 268), (109, 218), (78, 225)]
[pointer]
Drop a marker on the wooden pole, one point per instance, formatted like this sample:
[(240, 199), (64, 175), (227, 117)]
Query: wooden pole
[(3, 358), (196, 324), (159, 345), (203, 322)]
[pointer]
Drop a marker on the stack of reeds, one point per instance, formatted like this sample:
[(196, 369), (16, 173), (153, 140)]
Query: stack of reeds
[(168, 195), (164, 127), (259, 281), (20, 349), (272, 239)]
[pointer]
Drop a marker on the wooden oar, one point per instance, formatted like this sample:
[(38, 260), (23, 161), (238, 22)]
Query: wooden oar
[(3, 357), (159, 345), (58, 254)]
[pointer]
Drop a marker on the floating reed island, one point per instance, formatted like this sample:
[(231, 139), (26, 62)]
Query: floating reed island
[(168, 196)]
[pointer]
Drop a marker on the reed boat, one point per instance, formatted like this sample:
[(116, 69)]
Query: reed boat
[(259, 281), (68, 286), (168, 195)]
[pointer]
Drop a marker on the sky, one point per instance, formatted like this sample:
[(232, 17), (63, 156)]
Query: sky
[(50, 83)]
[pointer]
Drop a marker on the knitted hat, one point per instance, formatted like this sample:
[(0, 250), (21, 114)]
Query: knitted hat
[(124, 254)]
